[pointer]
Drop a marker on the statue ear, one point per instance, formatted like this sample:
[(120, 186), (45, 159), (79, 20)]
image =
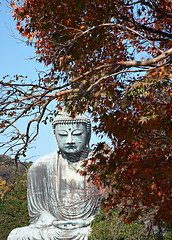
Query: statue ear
[(88, 140), (57, 149)]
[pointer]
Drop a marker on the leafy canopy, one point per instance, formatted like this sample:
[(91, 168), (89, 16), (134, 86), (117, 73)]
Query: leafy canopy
[(113, 60)]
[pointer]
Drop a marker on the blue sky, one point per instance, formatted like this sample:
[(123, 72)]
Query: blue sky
[(14, 59)]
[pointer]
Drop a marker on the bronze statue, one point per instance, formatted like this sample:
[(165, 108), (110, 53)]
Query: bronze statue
[(61, 203)]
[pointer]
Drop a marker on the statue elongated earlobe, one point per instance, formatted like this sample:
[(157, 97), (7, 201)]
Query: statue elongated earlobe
[(58, 149)]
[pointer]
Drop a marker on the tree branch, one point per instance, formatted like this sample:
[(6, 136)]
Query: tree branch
[(149, 62)]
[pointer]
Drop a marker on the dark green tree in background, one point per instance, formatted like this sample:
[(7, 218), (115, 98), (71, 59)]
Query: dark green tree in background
[(112, 227), (13, 196)]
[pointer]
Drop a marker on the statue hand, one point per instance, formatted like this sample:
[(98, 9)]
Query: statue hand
[(71, 224), (45, 220)]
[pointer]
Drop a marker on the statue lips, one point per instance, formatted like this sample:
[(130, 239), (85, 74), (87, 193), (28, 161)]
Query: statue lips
[(71, 146)]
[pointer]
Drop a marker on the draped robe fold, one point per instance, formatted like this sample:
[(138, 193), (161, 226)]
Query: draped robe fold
[(56, 191)]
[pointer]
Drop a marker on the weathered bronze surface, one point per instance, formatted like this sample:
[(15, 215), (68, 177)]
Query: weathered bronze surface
[(61, 203)]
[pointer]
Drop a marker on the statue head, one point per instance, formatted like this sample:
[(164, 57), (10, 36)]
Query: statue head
[(72, 134)]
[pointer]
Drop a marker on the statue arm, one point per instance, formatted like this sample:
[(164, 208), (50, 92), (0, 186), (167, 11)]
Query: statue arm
[(37, 197)]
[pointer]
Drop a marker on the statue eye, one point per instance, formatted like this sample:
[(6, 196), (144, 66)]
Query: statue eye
[(62, 133), (77, 132)]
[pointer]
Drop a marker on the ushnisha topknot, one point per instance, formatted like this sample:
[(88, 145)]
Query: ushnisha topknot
[(63, 118)]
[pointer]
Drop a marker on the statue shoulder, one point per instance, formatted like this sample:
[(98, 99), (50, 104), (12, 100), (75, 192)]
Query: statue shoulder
[(43, 161)]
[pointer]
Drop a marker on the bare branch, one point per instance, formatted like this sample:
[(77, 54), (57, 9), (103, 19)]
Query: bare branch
[(78, 35), (149, 62)]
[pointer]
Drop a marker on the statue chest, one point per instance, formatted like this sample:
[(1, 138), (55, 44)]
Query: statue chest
[(72, 186)]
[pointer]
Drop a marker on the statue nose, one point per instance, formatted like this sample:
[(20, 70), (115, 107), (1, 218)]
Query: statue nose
[(69, 138)]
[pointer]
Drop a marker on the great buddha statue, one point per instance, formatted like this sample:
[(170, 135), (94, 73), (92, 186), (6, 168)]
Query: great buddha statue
[(61, 203)]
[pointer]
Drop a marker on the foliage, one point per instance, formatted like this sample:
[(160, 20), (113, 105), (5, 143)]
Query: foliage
[(137, 169), (9, 169), (3, 186), (13, 208), (168, 231), (111, 227), (13, 196), (113, 60), (105, 227)]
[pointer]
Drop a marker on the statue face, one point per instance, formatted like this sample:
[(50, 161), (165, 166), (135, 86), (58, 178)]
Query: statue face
[(71, 137)]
